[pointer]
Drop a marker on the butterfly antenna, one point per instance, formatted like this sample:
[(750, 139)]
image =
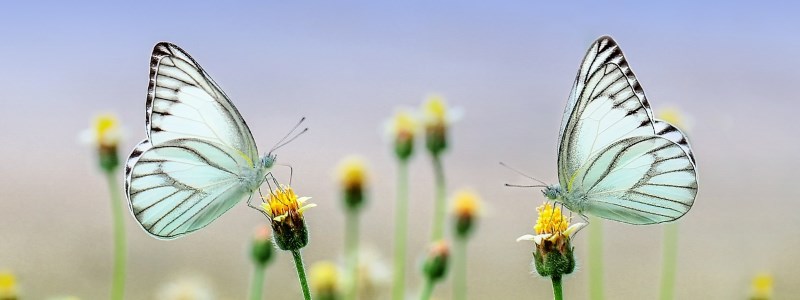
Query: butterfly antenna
[(524, 186), (289, 140), (523, 174), (283, 141)]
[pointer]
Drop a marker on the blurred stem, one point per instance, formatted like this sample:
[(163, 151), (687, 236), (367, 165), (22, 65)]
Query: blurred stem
[(400, 231), (351, 250), (460, 280), (557, 291), (257, 286), (118, 277), (670, 261), (427, 290), (595, 258), (439, 209), (301, 273)]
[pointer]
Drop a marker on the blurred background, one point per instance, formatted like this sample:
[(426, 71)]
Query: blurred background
[(731, 68)]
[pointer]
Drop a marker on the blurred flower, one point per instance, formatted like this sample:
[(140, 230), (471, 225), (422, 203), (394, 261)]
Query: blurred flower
[(673, 116), (435, 267), (437, 118), (374, 273), (402, 128), (186, 289), (105, 134), (8, 286), (262, 245), (466, 207), (762, 287), (353, 176), (553, 255), (285, 211), (324, 277)]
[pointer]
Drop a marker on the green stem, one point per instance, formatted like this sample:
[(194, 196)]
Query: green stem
[(257, 286), (117, 213), (557, 292), (439, 209), (301, 273), (670, 261), (460, 280), (595, 258), (400, 231), (427, 290), (351, 250)]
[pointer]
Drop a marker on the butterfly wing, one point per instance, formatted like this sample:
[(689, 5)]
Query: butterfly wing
[(672, 133), (639, 180), (189, 169)]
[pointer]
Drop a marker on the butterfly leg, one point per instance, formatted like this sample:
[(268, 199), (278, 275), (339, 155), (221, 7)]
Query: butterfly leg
[(291, 171), (250, 204)]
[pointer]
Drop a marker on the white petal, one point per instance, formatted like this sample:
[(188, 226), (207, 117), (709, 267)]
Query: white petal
[(527, 237), (572, 229)]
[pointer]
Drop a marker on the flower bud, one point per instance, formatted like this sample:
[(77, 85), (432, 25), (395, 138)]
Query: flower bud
[(261, 250), (435, 267), (285, 211)]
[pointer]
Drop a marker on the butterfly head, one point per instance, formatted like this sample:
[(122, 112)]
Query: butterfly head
[(268, 160), (552, 192)]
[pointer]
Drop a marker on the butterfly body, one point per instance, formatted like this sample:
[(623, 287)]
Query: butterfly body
[(199, 158), (615, 160)]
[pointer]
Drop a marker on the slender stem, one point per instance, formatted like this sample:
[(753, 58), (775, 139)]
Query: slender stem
[(427, 290), (595, 258), (460, 280), (400, 231), (257, 286), (439, 209), (118, 278), (557, 292), (301, 273), (351, 250), (669, 262)]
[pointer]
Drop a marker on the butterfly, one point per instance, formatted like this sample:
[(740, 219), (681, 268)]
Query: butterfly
[(199, 158), (615, 160)]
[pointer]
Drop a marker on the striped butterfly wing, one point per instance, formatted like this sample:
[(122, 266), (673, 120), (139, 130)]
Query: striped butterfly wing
[(639, 180), (609, 106), (187, 172), (672, 133)]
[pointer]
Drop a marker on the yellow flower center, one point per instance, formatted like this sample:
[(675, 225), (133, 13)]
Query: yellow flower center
[(353, 172), (8, 284), (106, 129), (672, 116), (283, 201), (550, 220), (324, 276), (466, 204), (435, 110)]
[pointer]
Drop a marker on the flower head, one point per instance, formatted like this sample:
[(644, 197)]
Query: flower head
[(437, 118), (285, 211), (435, 267), (324, 277), (762, 287), (105, 134), (261, 250), (353, 178), (8, 285), (466, 207), (673, 116), (186, 288), (402, 128), (553, 255)]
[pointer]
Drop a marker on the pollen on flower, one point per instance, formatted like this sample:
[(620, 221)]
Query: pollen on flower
[(550, 220), (282, 202)]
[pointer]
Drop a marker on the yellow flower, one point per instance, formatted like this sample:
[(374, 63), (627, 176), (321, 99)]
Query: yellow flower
[(466, 207), (105, 134), (402, 128), (673, 116), (762, 287), (353, 172), (437, 117), (8, 285), (285, 211), (324, 277), (186, 288), (553, 255)]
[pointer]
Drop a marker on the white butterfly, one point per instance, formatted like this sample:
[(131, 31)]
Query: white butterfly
[(199, 158), (615, 160)]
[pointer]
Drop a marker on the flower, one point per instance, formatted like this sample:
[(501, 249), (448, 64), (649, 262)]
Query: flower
[(673, 116), (8, 286), (261, 250), (285, 211), (353, 177), (553, 255), (402, 128), (437, 117), (374, 273), (762, 287), (186, 288), (466, 207), (435, 267), (324, 277), (105, 134)]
